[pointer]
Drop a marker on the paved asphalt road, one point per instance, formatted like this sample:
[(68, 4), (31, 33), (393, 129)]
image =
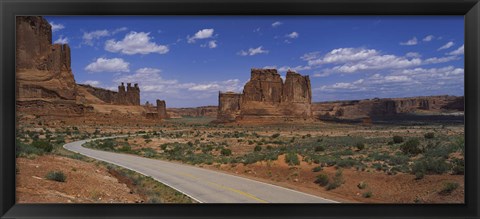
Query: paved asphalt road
[(202, 185)]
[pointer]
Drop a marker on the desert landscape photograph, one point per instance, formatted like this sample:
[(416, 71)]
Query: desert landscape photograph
[(240, 109)]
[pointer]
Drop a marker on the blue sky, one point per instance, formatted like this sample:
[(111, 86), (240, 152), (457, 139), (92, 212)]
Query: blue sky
[(186, 60)]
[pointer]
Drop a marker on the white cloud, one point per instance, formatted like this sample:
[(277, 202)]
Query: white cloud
[(428, 38), (410, 42), (459, 51), (201, 34), (88, 37), (276, 24), (108, 65), (353, 60), (310, 56), (446, 46), (118, 30), (92, 83), (135, 43), (341, 55), (292, 35), (211, 44), (61, 40), (56, 27), (253, 51), (413, 55)]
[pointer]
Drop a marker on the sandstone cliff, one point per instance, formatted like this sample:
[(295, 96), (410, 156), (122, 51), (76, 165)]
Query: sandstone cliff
[(265, 95), (42, 69)]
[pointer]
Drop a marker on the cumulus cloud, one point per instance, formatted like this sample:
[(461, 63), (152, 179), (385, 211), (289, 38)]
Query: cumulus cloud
[(61, 40), (353, 60), (459, 51), (292, 35), (211, 44), (253, 51), (298, 68), (276, 24), (135, 43), (428, 38), (406, 81), (410, 42), (108, 65), (446, 46), (201, 34), (56, 27), (88, 37), (92, 83)]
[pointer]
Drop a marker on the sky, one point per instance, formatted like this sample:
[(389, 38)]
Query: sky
[(187, 60)]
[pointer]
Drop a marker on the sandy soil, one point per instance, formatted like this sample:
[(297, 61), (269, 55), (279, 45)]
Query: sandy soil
[(85, 182)]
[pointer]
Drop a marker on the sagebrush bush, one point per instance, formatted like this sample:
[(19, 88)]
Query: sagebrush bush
[(362, 185), (368, 194), (58, 176), (322, 180), (292, 159), (317, 169), (448, 188), (397, 139), (411, 147), (43, 145), (360, 146), (429, 135), (226, 152), (319, 148), (337, 180), (257, 148)]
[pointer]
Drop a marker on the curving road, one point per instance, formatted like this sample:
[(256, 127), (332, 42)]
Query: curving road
[(202, 185)]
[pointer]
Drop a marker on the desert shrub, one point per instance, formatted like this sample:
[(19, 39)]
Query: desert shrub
[(411, 147), (43, 145), (58, 176), (429, 135), (360, 146), (292, 159), (398, 159), (226, 152), (317, 169), (397, 139), (326, 160), (252, 158), (276, 135), (337, 180), (448, 188), (362, 185), (319, 148), (322, 180), (458, 166), (125, 148), (367, 194), (429, 166), (347, 163), (257, 148), (23, 149), (148, 152)]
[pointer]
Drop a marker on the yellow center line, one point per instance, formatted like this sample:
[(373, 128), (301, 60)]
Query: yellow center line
[(246, 194)]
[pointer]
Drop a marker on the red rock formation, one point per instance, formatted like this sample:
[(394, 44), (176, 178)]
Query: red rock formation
[(162, 109), (130, 96), (42, 69), (266, 96)]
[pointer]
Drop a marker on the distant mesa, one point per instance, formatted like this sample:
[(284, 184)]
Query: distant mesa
[(266, 96)]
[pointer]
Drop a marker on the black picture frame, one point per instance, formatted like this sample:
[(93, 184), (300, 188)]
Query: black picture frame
[(11, 8)]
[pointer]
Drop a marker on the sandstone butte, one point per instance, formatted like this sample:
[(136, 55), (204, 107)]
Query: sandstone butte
[(45, 84)]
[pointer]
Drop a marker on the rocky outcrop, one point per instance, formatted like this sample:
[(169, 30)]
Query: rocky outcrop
[(42, 69), (128, 96), (265, 95), (162, 109), (378, 108), (201, 111)]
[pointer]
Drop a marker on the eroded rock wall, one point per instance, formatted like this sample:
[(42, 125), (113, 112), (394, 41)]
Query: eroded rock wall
[(265, 95)]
